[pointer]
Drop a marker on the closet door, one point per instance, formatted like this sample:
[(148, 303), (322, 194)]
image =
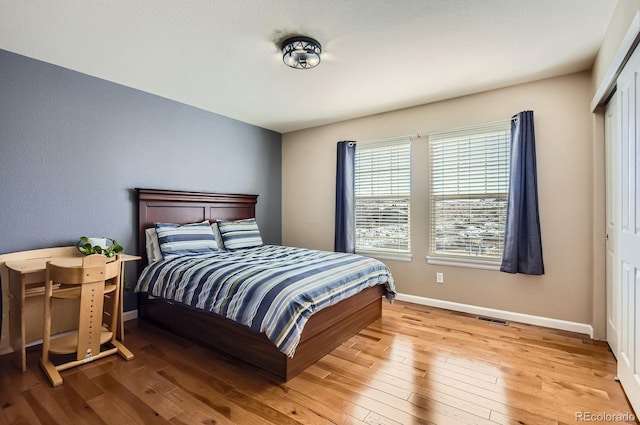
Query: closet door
[(612, 143), (628, 88)]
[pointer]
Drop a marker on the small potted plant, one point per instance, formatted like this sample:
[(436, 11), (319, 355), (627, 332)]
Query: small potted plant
[(88, 246)]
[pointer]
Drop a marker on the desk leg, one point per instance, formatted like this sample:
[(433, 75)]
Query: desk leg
[(120, 325), (16, 319)]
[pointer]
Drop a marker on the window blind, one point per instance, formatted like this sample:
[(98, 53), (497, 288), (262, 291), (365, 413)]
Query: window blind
[(382, 195), (469, 184)]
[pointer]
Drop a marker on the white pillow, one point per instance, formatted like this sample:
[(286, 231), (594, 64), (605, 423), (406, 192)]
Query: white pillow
[(152, 245)]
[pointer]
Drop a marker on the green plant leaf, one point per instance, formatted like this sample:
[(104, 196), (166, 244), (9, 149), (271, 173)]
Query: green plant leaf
[(86, 249)]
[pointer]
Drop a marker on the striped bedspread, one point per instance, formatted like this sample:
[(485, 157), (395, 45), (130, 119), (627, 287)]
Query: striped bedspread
[(272, 289)]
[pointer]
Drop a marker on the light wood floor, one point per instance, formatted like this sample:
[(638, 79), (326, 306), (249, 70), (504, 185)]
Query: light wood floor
[(416, 365)]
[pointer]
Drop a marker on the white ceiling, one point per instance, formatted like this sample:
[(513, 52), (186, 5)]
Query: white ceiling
[(378, 55)]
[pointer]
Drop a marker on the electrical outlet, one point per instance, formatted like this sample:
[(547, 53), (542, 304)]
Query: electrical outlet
[(439, 277)]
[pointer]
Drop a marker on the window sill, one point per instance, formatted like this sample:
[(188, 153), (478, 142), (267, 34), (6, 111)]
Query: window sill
[(464, 262), (386, 255)]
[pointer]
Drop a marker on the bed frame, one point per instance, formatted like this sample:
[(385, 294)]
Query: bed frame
[(323, 332)]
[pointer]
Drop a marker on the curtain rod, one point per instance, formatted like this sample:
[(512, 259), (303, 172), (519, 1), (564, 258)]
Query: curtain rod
[(452, 130), (468, 127)]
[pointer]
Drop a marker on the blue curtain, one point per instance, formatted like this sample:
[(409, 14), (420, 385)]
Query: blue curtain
[(522, 241), (345, 238)]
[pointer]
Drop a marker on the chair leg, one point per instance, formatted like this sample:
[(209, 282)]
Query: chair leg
[(122, 350), (51, 372), (46, 331)]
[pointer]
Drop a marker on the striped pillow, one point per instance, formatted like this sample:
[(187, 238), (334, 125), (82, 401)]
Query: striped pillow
[(238, 234), (189, 239)]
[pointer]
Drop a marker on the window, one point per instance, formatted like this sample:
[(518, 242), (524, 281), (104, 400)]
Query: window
[(382, 192), (469, 184)]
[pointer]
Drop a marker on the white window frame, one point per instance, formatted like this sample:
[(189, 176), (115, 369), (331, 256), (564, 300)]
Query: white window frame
[(387, 180), (484, 174)]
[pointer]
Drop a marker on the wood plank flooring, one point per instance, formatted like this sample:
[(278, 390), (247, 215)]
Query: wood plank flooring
[(416, 365)]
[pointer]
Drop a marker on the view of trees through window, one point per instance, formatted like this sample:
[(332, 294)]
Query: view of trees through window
[(382, 223), (469, 227)]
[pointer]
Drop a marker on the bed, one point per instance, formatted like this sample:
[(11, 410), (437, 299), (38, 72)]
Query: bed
[(323, 331)]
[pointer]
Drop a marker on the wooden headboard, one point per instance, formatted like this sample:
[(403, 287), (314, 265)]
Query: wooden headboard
[(174, 206)]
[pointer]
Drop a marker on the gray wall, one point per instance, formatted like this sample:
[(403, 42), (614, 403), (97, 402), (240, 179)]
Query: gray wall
[(72, 148)]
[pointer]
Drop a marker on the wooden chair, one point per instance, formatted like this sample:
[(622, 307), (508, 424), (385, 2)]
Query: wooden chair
[(89, 283)]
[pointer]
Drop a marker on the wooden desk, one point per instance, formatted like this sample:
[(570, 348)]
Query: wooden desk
[(26, 274)]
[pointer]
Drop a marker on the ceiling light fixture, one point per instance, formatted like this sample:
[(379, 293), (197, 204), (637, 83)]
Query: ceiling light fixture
[(301, 52)]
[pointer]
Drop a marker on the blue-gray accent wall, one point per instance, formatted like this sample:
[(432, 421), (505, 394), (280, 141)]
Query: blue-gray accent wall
[(74, 146)]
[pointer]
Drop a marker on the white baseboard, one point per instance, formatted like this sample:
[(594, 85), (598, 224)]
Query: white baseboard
[(130, 315), (547, 322)]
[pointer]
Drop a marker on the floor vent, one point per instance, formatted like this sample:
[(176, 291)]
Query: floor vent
[(492, 320)]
